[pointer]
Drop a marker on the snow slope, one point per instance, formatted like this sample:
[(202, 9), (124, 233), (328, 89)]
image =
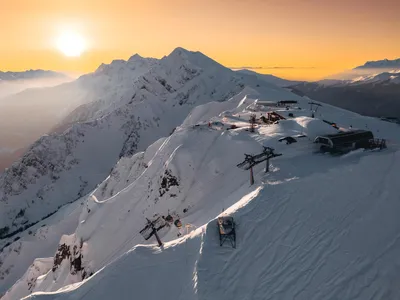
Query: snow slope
[(315, 227), (306, 238), (62, 167)]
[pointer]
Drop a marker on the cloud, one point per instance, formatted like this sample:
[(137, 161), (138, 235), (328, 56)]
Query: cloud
[(270, 68), (244, 67)]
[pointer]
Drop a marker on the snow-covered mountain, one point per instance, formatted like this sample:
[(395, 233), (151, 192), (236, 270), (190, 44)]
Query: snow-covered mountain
[(386, 78), (43, 109), (375, 94), (368, 69), (270, 78), (62, 167), (315, 227), (379, 64), (147, 109)]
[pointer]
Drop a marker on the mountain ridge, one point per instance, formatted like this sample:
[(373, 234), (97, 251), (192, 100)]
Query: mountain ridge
[(384, 63)]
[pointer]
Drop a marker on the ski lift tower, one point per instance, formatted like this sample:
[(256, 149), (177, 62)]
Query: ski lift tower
[(252, 160), (151, 229), (316, 105)]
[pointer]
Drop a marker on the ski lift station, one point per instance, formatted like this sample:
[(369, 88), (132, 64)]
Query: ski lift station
[(267, 103), (286, 102), (349, 140)]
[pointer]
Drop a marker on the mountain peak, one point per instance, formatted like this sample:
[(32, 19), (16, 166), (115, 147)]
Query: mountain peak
[(135, 57), (182, 51), (180, 55)]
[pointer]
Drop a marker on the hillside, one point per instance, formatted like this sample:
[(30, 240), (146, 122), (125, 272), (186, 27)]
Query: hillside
[(315, 227)]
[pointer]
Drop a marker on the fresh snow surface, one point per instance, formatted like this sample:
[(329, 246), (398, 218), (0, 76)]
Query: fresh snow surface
[(316, 227)]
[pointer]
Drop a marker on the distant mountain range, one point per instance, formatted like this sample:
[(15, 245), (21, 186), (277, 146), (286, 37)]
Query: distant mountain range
[(270, 78), (372, 89), (30, 74), (12, 83)]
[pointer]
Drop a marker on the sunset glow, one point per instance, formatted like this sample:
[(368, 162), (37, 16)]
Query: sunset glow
[(71, 44), (290, 38)]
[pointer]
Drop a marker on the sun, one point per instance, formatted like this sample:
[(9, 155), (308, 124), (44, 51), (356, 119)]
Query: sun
[(71, 44)]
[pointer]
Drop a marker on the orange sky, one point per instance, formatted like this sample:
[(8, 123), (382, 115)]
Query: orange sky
[(298, 39)]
